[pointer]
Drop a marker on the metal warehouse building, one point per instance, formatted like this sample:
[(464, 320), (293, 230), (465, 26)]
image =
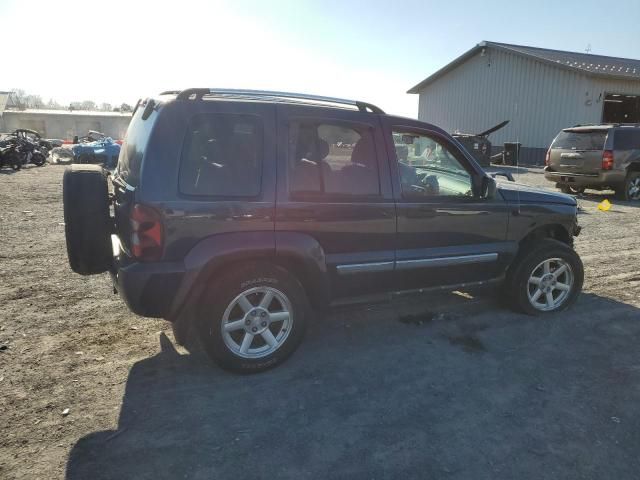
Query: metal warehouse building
[(540, 91)]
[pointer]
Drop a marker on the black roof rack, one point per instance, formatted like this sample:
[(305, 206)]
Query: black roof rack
[(198, 93)]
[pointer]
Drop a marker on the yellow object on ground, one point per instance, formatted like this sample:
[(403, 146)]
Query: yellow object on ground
[(604, 205)]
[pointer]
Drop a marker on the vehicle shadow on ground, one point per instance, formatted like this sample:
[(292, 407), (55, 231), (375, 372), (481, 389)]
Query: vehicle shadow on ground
[(478, 393)]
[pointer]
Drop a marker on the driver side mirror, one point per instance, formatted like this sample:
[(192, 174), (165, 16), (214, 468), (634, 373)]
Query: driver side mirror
[(488, 187)]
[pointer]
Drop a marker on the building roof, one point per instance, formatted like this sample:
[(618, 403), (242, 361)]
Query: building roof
[(89, 113), (587, 63)]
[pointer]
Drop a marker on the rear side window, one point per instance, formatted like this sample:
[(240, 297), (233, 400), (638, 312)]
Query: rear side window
[(627, 139), (580, 140), (222, 156), (134, 146), (332, 159)]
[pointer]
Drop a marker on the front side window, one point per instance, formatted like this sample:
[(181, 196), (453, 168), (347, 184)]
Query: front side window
[(329, 159), (222, 156), (428, 168)]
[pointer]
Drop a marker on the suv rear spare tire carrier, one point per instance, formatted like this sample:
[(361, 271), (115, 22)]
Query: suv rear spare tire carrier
[(88, 224)]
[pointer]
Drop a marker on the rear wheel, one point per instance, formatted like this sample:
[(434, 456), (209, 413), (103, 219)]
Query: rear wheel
[(545, 278), (630, 191), (253, 318), (88, 224)]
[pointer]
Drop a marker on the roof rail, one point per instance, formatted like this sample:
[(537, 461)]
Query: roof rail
[(198, 93), (604, 124)]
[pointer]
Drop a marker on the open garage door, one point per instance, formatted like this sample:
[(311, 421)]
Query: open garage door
[(621, 108)]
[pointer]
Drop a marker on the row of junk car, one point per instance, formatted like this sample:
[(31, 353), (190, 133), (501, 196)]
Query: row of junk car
[(24, 146)]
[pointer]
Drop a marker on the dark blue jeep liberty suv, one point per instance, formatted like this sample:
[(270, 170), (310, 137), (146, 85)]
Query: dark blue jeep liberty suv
[(238, 211)]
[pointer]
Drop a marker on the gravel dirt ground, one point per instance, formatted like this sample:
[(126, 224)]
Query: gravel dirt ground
[(437, 386)]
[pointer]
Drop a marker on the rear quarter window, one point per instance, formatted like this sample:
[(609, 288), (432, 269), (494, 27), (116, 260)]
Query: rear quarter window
[(580, 140), (627, 139), (222, 156), (134, 146)]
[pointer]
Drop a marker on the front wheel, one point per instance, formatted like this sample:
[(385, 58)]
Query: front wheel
[(253, 318), (545, 278)]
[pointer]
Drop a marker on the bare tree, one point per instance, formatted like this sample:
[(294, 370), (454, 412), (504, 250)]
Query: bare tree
[(88, 105)]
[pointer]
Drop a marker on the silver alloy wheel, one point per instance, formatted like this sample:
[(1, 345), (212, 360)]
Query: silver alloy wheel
[(550, 284), (257, 322), (634, 189)]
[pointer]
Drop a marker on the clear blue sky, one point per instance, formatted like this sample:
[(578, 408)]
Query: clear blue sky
[(373, 50)]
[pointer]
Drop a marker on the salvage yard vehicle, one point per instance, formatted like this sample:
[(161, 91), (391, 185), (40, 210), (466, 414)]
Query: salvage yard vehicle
[(10, 155), (599, 157), (33, 148), (478, 144), (237, 211), (96, 147)]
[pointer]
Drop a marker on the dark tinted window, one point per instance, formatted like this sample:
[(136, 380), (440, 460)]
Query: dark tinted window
[(580, 140), (627, 139), (222, 156), (332, 159), (134, 146)]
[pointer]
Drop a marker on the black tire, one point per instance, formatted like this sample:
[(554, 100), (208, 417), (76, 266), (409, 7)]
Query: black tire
[(88, 224), (517, 281), (625, 193), (38, 159), (219, 297)]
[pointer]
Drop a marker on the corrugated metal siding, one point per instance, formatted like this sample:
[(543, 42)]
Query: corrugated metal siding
[(537, 98)]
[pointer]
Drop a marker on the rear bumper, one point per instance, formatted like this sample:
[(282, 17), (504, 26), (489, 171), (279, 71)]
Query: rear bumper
[(601, 179), (148, 289)]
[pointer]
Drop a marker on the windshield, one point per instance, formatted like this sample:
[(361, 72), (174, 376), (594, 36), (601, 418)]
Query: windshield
[(580, 140)]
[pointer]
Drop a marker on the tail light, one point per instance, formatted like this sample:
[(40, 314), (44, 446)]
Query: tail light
[(547, 158), (146, 233), (607, 160)]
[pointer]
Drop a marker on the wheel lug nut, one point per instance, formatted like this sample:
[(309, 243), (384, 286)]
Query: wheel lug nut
[(254, 329), (264, 324), (247, 322)]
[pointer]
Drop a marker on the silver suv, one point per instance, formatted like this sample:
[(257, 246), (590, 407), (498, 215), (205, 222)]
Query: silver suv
[(600, 157)]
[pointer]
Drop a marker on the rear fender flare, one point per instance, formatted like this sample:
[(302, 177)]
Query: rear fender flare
[(212, 253), (300, 253), (305, 256)]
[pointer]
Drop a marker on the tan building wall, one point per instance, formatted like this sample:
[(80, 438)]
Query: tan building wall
[(64, 124)]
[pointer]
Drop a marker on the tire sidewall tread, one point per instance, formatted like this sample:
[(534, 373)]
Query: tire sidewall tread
[(533, 255), (221, 291)]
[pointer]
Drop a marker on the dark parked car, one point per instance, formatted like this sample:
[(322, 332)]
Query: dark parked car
[(598, 157), (238, 211)]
